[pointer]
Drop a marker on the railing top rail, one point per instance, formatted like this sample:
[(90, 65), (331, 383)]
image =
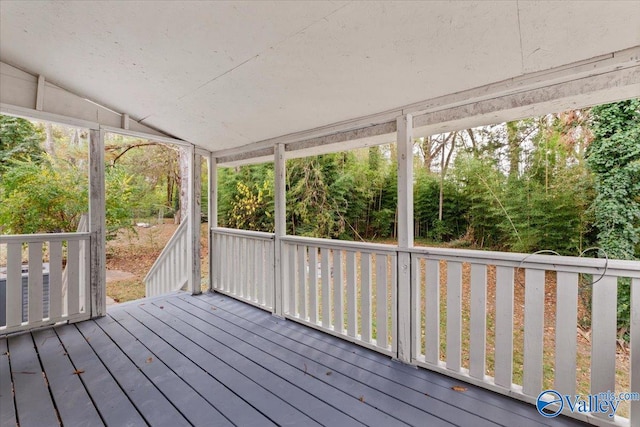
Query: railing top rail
[(341, 244), (243, 233), (548, 262), (46, 237)]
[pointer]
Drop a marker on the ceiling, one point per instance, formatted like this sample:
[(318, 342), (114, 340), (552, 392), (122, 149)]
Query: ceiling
[(227, 74)]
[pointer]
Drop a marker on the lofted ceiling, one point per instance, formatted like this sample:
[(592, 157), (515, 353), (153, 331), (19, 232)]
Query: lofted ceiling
[(226, 74)]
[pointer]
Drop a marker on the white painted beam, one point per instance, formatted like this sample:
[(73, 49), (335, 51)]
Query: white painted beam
[(607, 87), (212, 216), (405, 181), (193, 228), (25, 95), (97, 224), (405, 233), (280, 227), (602, 79)]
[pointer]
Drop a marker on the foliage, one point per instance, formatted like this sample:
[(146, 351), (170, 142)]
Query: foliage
[(614, 158), (455, 206), (40, 198), (19, 141)]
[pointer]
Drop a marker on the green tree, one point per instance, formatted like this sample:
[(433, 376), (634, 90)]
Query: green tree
[(40, 198), (19, 140), (614, 158)]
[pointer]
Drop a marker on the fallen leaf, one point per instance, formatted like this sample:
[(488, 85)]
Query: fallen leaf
[(6, 353), (427, 394), (141, 304), (361, 399), (329, 372), (458, 388), (78, 371), (213, 308), (149, 359), (305, 369), (162, 307)]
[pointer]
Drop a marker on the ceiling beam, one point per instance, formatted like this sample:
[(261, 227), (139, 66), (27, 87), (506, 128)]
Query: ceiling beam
[(602, 79), (25, 95)]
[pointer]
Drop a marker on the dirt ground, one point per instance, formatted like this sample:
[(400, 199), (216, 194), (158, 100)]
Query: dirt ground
[(135, 251)]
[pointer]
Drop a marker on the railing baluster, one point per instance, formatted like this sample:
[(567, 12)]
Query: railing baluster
[(235, 271), (635, 351), (338, 305), (35, 290), (381, 301), (226, 266), (352, 309), (326, 294), (313, 284), (270, 272), (302, 281), (365, 295), (55, 280), (251, 270), (416, 307), (394, 304), (14, 284), (73, 267), (566, 318), (533, 331), (243, 269), (291, 280), (504, 327), (603, 335), (432, 311), (259, 248), (478, 321), (454, 312)]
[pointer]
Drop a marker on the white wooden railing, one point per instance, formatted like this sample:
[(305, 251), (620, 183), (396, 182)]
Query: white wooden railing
[(487, 318), (344, 288), (34, 297), (170, 272), (463, 316), (244, 262)]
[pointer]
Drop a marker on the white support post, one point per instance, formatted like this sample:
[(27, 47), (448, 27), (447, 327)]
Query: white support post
[(405, 234), (213, 216), (193, 228), (97, 223), (280, 227)]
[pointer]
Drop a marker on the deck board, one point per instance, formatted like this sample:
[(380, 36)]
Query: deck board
[(34, 406), (234, 408), (212, 360), (243, 378), (111, 401), (348, 367), (308, 367), (192, 405), (329, 400), (297, 339), (8, 413), (148, 400), (72, 400)]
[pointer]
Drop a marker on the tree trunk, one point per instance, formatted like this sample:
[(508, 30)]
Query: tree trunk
[(49, 142), (513, 145), (183, 167)]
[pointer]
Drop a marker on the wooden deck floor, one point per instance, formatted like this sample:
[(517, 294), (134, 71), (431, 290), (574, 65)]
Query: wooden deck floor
[(209, 360)]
